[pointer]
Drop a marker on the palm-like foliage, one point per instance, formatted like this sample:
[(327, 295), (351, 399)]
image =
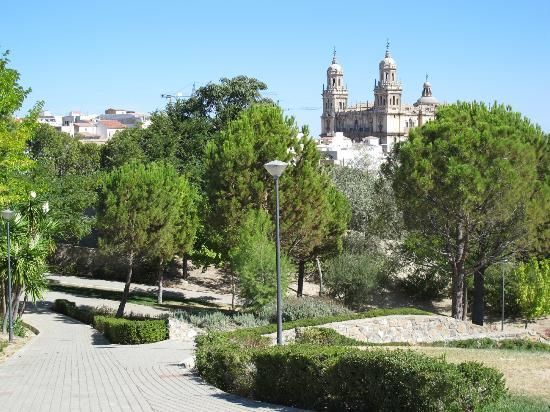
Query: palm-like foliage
[(31, 242)]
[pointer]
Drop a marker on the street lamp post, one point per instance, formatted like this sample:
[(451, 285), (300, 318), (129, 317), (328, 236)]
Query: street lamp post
[(276, 169), (8, 215)]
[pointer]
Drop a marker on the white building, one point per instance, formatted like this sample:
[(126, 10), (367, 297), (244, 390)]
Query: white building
[(107, 128), (342, 151), (387, 117)]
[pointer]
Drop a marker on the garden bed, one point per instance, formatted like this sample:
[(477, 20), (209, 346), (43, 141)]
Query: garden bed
[(125, 331)]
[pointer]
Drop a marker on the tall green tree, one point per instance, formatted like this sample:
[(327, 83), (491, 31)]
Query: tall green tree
[(237, 182), (31, 238), (15, 164), (464, 183), (253, 259), (139, 210), (67, 174)]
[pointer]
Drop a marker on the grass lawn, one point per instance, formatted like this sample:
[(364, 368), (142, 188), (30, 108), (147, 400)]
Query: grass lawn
[(140, 298), (526, 372)]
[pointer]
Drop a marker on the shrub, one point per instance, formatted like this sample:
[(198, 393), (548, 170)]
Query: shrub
[(488, 343), (3, 344), (382, 380), (131, 332), (84, 315), (515, 403), (341, 378), (353, 277), (534, 288), (294, 375), (19, 328), (325, 337), (302, 308), (227, 364), (253, 259), (219, 321), (493, 290), (488, 382)]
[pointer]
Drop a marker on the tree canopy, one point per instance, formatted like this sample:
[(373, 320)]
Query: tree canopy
[(464, 184)]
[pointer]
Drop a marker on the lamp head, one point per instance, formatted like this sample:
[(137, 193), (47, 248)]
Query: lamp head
[(275, 168), (7, 214)]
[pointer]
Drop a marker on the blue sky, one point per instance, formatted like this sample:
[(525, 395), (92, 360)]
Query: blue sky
[(90, 55)]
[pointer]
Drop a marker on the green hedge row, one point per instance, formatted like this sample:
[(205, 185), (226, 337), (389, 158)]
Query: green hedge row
[(70, 309), (488, 343), (342, 378), (117, 330), (131, 332)]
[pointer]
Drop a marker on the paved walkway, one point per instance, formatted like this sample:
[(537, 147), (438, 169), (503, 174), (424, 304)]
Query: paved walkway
[(190, 292), (69, 366)]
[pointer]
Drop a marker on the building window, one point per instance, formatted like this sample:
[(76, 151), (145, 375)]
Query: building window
[(334, 82), (393, 76), (338, 82)]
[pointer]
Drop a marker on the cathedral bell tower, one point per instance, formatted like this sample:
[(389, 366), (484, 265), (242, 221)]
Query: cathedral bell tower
[(388, 89), (335, 97)]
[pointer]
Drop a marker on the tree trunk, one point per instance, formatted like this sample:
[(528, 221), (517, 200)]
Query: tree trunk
[(185, 265), (320, 277), (457, 300), (465, 304), (4, 310), (15, 307), (160, 280), (478, 312), (126, 293), (301, 276), (458, 272)]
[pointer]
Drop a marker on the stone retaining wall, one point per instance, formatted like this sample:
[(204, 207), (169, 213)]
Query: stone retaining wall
[(412, 329), (180, 330)]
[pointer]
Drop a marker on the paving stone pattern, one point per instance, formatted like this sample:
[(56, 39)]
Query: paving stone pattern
[(69, 366)]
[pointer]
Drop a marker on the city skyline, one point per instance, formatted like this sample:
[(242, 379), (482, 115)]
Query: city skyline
[(89, 57)]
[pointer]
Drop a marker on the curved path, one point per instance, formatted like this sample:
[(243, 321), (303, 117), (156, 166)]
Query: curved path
[(69, 366)]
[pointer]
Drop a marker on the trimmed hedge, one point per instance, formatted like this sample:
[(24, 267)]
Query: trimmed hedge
[(131, 332), (342, 378), (488, 343), (70, 309), (116, 330)]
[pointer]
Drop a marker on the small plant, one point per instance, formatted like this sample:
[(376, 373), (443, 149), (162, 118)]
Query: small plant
[(135, 329), (219, 321), (303, 308), (488, 343), (325, 337), (3, 344)]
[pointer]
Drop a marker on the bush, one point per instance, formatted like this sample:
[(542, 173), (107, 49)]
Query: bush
[(488, 383), (353, 277), (253, 259), (382, 380), (341, 378), (3, 344), (84, 315), (219, 321), (131, 332), (493, 290), (515, 403), (302, 308), (325, 337), (488, 343), (226, 363), (294, 375)]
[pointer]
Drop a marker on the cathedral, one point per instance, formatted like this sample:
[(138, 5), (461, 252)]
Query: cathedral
[(387, 117)]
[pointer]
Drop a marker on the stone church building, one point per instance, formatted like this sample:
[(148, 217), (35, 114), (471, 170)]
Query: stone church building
[(387, 117)]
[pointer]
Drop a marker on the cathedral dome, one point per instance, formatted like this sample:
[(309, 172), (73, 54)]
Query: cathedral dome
[(427, 97), (334, 67)]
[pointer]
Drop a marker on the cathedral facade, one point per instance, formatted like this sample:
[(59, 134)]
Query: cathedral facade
[(386, 117)]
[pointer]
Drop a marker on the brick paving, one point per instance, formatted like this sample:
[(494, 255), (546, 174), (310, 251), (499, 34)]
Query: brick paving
[(69, 366)]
